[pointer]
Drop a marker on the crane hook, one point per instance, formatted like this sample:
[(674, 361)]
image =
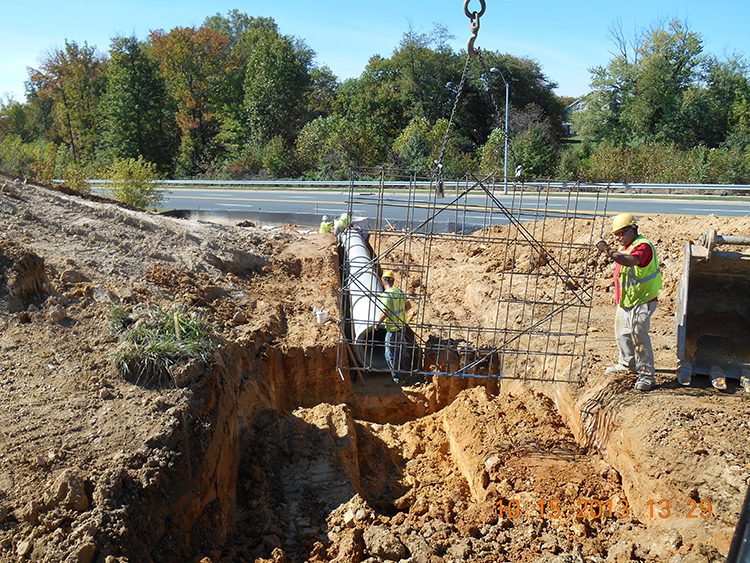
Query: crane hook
[(473, 24)]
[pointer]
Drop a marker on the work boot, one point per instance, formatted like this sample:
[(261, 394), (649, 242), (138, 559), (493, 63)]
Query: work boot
[(617, 369), (644, 383)]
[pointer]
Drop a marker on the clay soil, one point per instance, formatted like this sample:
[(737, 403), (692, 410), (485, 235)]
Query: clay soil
[(265, 452)]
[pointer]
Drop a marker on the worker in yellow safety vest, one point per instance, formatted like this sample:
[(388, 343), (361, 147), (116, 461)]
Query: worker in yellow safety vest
[(394, 306), (637, 283), (326, 226), (342, 223)]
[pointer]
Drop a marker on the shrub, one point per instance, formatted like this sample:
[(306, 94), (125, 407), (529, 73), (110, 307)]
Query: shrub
[(132, 182), (158, 341), (74, 178)]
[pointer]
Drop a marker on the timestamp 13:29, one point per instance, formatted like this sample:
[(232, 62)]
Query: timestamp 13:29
[(592, 509)]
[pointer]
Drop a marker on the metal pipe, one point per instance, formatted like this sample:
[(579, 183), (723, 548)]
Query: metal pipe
[(363, 286), (738, 240)]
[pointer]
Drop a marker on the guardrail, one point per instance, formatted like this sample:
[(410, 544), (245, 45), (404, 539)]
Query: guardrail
[(316, 184), (740, 189)]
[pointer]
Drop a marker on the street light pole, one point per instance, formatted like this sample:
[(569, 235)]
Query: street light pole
[(505, 132), (505, 158)]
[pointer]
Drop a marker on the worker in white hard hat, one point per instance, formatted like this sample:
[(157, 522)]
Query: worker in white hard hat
[(394, 306), (326, 225), (637, 283)]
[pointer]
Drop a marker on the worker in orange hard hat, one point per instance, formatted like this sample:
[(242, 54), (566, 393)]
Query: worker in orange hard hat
[(394, 306), (637, 283)]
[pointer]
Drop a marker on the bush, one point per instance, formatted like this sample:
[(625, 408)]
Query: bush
[(74, 178), (33, 160), (665, 163), (132, 182), (159, 340)]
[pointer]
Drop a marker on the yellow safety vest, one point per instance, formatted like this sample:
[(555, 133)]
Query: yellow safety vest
[(639, 285), (393, 302), (325, 227)]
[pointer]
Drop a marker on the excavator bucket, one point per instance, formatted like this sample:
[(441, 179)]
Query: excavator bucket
[(712, 318)]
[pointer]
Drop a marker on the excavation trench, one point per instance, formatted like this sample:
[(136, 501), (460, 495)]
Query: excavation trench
[(275, 454)]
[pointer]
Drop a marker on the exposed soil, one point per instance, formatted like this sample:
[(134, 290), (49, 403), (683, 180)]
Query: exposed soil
[(266, 453)]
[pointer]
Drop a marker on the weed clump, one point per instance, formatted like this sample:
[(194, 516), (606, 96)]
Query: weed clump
[(158, 340)]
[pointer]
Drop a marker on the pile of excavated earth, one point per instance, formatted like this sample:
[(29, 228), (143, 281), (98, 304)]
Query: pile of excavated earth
[(262, 451)]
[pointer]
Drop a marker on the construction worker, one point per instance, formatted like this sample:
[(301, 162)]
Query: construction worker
[(326, 226), (342, 223), (394, 305), (637, 284)]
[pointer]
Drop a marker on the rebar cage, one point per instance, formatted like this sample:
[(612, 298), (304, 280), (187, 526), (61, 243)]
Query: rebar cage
[(499, 276)]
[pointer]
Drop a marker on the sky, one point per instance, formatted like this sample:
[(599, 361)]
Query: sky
[(565, 38)]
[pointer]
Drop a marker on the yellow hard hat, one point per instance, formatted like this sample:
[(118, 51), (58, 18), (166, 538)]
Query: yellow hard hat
[(621, 221), (389, 274)]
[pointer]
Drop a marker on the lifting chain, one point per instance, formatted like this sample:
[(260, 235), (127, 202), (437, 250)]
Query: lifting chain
[(473, 23), (444, 144), (474, 17)]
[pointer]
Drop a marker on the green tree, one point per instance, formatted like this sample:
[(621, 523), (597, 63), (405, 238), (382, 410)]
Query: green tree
[(668, 62), (412, 148), (74, 80), (372, 100), (239, 29), (328, 147), (535, 150), (728, 89), (322, 92), (422, 66), (138, 115), (193, 62), (653, 91), (14, 120), (492, 154), (277, 82)]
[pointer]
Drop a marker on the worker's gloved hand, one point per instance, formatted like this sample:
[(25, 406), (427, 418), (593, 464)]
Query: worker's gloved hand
[(603, 246)]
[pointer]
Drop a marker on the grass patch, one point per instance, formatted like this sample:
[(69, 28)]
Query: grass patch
[(155, 341)]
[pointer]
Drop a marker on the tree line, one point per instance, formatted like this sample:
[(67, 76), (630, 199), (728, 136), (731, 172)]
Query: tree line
[(236, 98)]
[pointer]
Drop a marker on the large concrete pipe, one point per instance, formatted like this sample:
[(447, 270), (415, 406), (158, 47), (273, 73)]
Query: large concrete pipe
[(363, 287)]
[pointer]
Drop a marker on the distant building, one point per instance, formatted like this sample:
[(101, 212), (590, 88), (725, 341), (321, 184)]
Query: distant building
[(567, 116)]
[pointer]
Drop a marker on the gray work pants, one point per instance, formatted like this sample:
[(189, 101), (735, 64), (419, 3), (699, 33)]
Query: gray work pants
[(633, 342)]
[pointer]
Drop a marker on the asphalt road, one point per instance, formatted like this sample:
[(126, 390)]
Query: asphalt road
[(333, 203)]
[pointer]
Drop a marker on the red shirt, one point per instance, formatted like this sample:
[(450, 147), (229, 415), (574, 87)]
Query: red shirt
[(644, 254)]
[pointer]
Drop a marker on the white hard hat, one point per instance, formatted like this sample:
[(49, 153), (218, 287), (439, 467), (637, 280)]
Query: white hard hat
[(325, 217)]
